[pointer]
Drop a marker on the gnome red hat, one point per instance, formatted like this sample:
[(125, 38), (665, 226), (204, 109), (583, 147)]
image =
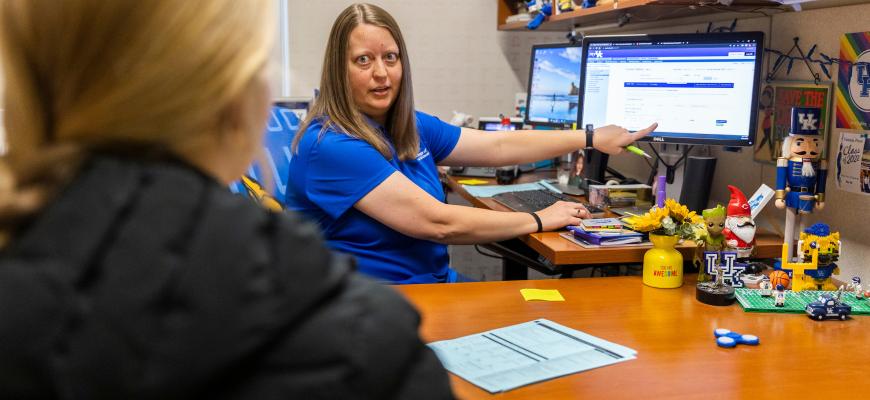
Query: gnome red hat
[(738, 206)]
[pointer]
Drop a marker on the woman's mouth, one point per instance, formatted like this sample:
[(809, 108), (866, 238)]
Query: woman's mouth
[(381, 90)]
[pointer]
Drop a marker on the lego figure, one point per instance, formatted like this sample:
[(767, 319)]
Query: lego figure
[(800, 173), (818, 249), (766, 287), (779, 298), (566, 5), (857, 288), (714, 220), (739, 231)]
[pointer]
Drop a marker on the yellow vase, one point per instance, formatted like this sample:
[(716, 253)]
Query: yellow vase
[(663, 264)]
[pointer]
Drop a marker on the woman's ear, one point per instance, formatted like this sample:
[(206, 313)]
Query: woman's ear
[(248, 112)]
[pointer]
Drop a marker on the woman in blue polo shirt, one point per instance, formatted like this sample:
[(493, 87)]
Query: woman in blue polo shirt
[(365, 161)]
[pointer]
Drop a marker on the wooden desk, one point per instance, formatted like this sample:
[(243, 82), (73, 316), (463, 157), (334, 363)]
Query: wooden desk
[(798, 358), (560, 252)]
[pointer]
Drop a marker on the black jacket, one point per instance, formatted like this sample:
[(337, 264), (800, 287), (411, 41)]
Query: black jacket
[(151, 280)]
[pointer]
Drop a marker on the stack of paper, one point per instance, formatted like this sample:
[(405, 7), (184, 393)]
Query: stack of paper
[(606, 237), (602, 225), (518, 355)]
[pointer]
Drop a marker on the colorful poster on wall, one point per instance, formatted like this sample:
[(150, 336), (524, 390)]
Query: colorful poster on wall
[(853, 82), (853, 163), (774, 114)]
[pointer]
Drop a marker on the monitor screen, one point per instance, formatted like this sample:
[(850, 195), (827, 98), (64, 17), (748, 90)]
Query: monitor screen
[(700, 88), (554, 85)]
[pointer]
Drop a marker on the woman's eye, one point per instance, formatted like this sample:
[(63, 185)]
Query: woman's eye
[(363, 60), (392, 57)]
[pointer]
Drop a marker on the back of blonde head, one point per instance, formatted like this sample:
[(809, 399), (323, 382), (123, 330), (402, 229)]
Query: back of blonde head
[(81, 74)]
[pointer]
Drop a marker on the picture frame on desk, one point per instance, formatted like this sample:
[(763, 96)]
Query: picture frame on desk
[(774, 114)]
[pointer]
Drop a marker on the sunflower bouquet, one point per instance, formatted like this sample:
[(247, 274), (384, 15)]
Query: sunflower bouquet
[(674, 219)]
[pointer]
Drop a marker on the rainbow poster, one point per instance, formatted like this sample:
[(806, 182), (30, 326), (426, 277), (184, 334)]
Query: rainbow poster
[(853, 82)]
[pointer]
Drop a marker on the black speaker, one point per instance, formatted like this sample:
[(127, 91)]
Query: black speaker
[(697, 180)]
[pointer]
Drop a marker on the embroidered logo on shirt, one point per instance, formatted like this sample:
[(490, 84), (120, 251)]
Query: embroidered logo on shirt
[(422, 154)]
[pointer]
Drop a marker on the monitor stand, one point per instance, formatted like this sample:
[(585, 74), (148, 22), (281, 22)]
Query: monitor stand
[(573, 190)]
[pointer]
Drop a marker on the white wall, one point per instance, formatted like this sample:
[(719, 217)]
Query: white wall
[(461, 62)]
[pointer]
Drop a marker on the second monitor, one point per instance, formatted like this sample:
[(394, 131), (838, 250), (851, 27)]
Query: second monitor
[(554, 85)]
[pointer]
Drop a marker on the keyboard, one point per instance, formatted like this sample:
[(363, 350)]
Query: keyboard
[(536, 200)]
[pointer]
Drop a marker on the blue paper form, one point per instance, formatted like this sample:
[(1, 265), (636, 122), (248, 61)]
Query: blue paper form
[(492, 190), (518, 355)]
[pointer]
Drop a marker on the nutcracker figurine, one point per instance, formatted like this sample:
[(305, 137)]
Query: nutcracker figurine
[(800, 172)]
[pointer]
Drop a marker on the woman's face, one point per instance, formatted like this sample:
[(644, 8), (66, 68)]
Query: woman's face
[(374, 70)]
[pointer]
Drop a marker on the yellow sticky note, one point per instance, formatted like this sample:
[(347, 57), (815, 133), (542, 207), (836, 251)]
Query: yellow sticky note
[(472, 182), (542, 294)]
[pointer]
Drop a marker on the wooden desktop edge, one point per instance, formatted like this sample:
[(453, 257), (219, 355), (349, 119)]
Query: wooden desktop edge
[(560, 251)]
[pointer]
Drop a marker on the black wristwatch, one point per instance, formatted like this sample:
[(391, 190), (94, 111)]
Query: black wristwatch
[(589, 132)]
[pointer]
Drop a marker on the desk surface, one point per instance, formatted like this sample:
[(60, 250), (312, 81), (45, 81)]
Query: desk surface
[(560, 251), (673, 334)]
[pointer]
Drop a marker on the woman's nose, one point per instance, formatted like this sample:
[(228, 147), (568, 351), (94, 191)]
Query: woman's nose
[(380, 70)]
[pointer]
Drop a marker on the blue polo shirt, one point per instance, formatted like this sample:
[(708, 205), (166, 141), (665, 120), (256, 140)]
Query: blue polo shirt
[(332, 171)]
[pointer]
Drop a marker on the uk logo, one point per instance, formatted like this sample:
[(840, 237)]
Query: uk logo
[(730, 270), (598, 54), (808, 121), (859, 82), (863, 79)]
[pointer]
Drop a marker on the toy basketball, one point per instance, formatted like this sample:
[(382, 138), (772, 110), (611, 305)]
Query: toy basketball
[(779, 277)]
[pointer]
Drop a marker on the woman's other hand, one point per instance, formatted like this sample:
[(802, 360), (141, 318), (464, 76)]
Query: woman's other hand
[(562, 214), (612, 139)]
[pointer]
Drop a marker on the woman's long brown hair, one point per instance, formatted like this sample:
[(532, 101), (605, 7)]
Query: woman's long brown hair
[(335, 107)]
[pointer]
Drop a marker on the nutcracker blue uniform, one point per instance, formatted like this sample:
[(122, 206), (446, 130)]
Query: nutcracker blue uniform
[(800, 172)]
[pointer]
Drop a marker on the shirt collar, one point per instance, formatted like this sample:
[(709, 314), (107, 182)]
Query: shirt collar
[(375, 124)]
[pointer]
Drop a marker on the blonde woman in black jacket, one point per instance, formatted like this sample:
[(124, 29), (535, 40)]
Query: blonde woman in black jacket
[(127, 270)]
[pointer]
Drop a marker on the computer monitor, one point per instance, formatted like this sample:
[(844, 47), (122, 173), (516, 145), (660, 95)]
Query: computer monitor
[(554, 85), (700, 88)]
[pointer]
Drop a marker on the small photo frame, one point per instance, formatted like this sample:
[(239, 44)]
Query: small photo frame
[(774, 114)]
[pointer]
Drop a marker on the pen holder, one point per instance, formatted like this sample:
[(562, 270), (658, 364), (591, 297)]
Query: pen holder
[(663, 264)]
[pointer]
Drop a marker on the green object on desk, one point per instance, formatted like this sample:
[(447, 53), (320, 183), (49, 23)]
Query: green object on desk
[(637, 150), (795, 302)]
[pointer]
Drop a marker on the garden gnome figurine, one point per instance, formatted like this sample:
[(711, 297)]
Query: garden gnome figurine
[(739, 229)]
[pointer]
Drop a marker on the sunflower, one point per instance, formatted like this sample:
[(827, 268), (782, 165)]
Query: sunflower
[(672, 219), (650, 221), (678, 211)]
